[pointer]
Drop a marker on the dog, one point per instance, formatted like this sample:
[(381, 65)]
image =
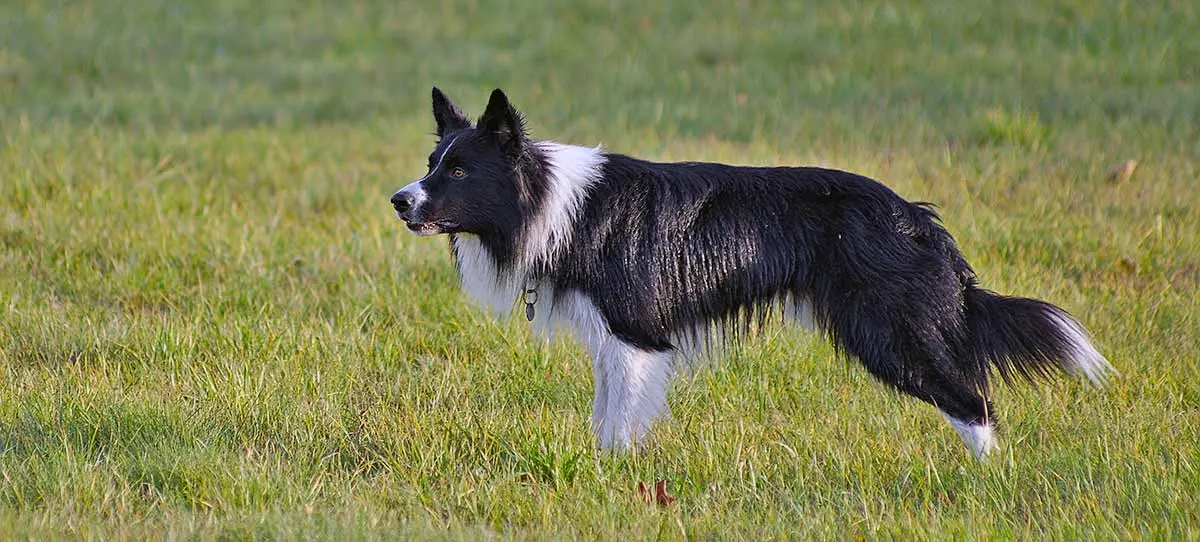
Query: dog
[(651, 264)]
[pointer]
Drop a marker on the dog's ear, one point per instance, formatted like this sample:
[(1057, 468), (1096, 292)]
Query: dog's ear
[(503, 121), (448, 117)]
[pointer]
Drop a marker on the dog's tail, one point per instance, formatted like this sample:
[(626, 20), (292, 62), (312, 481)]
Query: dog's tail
[(1028, 338)]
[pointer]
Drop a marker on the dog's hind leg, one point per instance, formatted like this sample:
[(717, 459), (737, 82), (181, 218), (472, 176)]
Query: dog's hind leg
[(914, 360), (964, 405), (631, 392), (977, 434)]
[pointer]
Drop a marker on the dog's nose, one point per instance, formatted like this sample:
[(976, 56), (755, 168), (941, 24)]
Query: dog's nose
[(402, 201)]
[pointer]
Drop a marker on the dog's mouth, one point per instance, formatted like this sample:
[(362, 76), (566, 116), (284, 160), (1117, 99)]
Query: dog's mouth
[(431, 228)]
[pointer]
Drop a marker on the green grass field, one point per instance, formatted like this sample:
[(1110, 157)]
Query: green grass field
[(212, 325)]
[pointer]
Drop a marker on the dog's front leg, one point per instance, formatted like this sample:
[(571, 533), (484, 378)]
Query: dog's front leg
[(631, 387)]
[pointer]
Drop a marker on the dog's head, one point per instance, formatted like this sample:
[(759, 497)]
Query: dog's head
[(472, 185)]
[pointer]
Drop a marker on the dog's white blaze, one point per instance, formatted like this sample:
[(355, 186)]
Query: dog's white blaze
[(979, 438), (484, 282), (1082, 359), (630, 383), (572, 171), (442, 158)]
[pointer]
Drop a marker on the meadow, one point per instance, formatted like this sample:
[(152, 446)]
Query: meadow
[(212, 326)]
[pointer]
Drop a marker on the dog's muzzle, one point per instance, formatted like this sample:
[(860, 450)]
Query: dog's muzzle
[(407, 202), (406, 198)]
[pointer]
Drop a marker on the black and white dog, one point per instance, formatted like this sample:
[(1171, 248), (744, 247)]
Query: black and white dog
[(650, 263)]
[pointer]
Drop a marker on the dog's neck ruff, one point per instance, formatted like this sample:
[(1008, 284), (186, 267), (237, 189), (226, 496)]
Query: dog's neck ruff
[(570, 172)]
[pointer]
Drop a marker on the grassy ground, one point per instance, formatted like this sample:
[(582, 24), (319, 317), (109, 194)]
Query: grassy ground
[(212, 326)]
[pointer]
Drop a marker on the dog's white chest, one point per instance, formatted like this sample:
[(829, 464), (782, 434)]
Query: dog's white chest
[(482, 280)]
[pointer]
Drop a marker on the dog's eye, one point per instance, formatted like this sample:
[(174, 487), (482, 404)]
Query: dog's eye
[(458, 173)]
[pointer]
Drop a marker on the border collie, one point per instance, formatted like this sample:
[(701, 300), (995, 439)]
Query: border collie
[(649, 264)]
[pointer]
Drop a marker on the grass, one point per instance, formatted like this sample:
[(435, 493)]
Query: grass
[(211, 325)]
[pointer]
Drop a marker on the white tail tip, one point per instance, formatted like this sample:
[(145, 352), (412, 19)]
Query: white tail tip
[(1081, 358)]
